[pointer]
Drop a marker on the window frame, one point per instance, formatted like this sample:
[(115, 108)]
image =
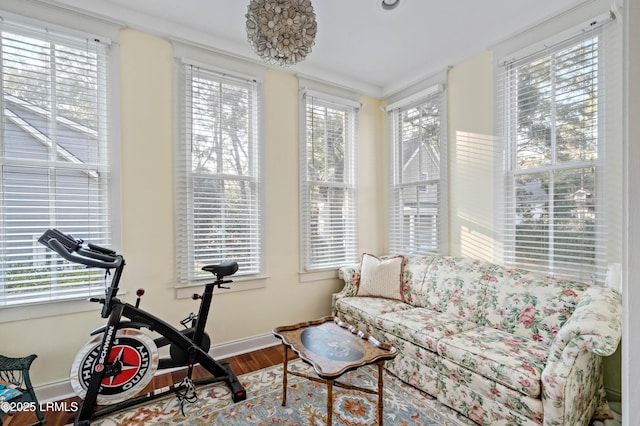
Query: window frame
[(186, 263), (63, 26), (397, 243), (350, 108), (608, 153)]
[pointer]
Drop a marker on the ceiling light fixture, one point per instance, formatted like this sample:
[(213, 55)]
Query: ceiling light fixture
[(281, 32), (389, 4)]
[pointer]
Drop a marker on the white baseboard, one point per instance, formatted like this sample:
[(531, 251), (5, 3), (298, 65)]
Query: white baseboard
[(56, 391), (237, 347)]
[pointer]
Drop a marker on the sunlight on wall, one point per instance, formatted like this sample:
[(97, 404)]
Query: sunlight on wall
[(474, 178), (475, 244), (470, 117)]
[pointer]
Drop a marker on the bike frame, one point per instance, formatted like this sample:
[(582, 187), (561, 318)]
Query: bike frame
[(115, 310), (143, 319), (220, 372)]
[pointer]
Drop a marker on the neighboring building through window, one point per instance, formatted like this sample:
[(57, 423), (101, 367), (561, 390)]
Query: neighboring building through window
[(328, 182), (559, 153), (218, 175), (54, 147), (418, 206)]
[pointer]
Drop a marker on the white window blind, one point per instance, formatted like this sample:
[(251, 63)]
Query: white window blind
[(418, 161), (218, 175), (328, 182), (53, 159), (562, 167)]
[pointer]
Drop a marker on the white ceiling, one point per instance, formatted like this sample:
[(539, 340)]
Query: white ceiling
[(358, 45)]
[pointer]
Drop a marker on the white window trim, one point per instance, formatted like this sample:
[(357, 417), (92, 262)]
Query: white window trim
[(555, 31), (199, 56), (49, 309), (63, 18), (69, 21), (238, 284), (412, 99), (338, 96), (415, 98)]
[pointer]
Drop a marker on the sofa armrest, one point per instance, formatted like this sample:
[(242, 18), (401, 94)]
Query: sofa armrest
[(350, 274), (595, 325), (573, 373)]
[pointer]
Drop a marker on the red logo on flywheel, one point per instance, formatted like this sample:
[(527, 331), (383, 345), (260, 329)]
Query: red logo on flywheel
[(131, 362), (129, 357)]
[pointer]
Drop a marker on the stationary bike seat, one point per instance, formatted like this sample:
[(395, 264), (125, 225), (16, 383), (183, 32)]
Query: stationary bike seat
[(223, 269)]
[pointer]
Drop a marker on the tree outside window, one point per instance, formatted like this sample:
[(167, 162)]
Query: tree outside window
[(555, 138)]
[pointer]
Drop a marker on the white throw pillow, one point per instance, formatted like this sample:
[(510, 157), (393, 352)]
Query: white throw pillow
[(381, 277)]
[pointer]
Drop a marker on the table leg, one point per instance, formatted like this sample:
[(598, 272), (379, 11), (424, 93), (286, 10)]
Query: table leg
[(329, 402), (380, 385), (284, 375)]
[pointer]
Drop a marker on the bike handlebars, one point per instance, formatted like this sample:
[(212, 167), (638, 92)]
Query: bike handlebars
[(99, 257), (71, 249)]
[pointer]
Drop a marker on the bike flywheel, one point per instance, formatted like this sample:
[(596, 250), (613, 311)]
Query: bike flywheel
[(134, 355)]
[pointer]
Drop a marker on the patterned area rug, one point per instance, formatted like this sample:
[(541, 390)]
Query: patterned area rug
[(306, 404)]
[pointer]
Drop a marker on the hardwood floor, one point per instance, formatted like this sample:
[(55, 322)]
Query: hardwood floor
[(240, 364)]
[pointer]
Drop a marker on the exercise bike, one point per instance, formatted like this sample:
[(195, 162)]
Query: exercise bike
[(114, 366)]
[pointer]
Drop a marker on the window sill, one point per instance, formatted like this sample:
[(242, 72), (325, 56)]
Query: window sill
[(236, 285), (48, 309), (310, 276)]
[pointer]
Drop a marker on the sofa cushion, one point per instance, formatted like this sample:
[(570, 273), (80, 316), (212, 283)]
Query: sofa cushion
[(367, 309), (426, 357), (422, 327), (381, 277), (485, 401), (452, 286), (413, 275), (415, 372), (527, 304), (512, 361)]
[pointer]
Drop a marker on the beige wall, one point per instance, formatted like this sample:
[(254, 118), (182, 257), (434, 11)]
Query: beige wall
[(470, 131), (373, 177), (147, 204), (146, 171)]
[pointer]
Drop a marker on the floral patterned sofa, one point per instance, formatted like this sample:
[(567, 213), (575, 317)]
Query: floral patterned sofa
[(501, 346)]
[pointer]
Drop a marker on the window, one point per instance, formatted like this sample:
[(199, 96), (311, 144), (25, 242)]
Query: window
[(559, 208), (218, 175), (54, 163), (328, 182), (418, 172)]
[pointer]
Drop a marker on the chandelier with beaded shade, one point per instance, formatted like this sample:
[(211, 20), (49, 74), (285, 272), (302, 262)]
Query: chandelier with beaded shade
[(281, 32)]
